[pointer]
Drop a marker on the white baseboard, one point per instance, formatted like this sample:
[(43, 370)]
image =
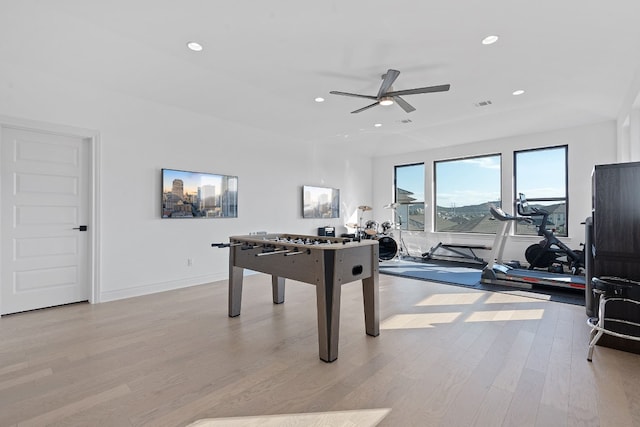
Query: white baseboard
[(152, 288)]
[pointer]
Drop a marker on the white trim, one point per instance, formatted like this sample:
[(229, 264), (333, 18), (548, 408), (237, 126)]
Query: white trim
[(93, 138), (95, 254), (152, 288)]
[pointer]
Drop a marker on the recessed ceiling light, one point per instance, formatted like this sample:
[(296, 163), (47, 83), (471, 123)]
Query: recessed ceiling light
[(490, 40), (378, 125), (194, 46), (518, 92), (319, 99)]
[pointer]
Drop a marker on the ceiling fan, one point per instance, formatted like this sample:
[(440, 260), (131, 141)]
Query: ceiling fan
[(387, 96)]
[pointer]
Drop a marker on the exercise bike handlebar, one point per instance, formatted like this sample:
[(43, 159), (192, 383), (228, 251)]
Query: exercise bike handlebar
[(523, 207)]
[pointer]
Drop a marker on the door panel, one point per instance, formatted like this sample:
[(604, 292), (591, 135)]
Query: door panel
[(45, 195)]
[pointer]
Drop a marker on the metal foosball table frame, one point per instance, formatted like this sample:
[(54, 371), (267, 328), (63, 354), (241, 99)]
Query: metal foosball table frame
[(326, 262)]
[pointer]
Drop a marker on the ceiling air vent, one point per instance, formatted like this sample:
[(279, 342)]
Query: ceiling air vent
[(405, 121), (482, 103)]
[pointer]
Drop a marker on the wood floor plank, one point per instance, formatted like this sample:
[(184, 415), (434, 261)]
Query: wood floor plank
[(509, 376), (27, 378), (525, 402), (494, 407), (54, 415), (446, 356)]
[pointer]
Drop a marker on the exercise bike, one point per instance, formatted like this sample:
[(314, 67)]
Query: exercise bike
[(550, 253)]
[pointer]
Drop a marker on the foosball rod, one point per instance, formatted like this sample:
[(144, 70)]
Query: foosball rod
[(308, 251), (225, 245), (282, 251)]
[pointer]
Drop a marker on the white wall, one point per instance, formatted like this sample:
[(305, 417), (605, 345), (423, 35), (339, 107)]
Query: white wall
[(588, 146), (140, 252), (628, 124)]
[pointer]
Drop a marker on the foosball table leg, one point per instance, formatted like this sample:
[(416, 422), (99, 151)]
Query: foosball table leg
[(277, 285), (371, 309), (236, 275)]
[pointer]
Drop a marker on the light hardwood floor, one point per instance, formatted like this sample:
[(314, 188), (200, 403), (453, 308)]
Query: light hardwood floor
[(446, 356)]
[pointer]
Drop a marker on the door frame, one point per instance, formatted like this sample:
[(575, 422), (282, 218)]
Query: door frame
[(92, 137)]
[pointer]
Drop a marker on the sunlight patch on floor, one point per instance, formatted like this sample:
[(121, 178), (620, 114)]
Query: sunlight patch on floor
[(360, 418), (501, 315), (451, 299), (529, 295), (418, 320)]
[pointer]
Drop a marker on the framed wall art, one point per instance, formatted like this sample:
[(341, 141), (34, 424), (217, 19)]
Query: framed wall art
[(187, 194), (320, 202)]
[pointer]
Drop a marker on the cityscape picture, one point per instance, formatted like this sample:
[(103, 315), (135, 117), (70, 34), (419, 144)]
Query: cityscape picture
[(320, 202), (198, 195)]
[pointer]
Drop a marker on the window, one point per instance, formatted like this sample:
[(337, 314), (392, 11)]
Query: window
[(409, 196), (465, 188), (541, 175)]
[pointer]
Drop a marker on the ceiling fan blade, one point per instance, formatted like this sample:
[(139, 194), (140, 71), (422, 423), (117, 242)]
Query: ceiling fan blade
[(441, 88), (389, 78), (365, 108), (404, 104), (357, 95)]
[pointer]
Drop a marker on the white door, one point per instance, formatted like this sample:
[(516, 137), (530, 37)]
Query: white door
[(45, 204)]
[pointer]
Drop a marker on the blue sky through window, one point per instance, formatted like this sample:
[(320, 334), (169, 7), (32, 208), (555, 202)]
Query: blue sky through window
[(541, 174), (411, 178), (467, 182)]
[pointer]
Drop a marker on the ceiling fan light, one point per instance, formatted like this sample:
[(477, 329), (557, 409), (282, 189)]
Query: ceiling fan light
[(386, 101), (194, 46), (490, 40)]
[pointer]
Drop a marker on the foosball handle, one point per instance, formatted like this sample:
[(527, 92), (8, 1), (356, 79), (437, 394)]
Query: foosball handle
[(225, 245)]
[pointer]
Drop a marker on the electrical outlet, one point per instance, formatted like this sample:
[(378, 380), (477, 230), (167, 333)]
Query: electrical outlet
[(189, 262)]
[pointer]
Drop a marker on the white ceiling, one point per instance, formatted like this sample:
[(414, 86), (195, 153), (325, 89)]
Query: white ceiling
[(264, 62)]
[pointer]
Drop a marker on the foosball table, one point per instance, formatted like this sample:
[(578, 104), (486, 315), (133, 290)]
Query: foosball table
[(326, 262)]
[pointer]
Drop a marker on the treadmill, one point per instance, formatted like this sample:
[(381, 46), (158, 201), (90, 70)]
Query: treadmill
[(496, 272)]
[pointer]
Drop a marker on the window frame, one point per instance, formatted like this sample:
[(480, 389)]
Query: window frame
[(541, 199), (434, 208), (404, 226)]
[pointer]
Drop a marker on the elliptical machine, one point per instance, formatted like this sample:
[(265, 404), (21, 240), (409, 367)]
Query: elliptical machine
[(550, 253)]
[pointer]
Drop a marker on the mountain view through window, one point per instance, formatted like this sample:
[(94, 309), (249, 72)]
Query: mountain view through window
[(465, 189)]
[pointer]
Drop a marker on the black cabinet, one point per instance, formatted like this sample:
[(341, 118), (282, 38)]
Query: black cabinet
[(616, 240), (616, 217)]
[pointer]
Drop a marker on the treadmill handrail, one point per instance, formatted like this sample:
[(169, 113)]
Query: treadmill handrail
[(501, 215)]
